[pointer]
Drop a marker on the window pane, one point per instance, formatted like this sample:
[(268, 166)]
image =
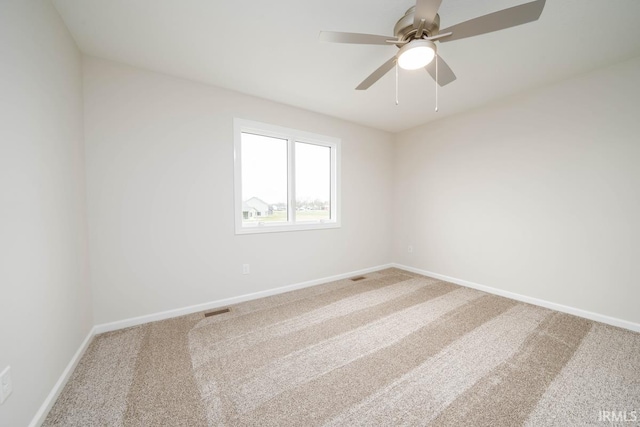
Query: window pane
[(313, 182), (264, 178)]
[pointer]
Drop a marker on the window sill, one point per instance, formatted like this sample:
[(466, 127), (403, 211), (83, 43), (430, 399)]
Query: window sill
[(273, 228)]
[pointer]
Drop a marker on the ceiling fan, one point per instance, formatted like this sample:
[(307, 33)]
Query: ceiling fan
[(416, 32)]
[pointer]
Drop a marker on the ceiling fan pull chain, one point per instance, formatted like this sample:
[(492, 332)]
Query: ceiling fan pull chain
[(397, 83), (436, 82)]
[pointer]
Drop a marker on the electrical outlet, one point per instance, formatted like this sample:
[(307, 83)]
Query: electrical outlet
[(245, 269), (6, 387), (410, 249)]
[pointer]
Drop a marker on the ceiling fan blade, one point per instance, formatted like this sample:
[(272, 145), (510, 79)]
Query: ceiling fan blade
[(377, 74), (445, 74), (427, 10), (355, 38), (500, 20)]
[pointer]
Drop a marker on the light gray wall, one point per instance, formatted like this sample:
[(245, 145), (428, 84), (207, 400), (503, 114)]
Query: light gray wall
[(160, 196), (537, 195), (45, 302)]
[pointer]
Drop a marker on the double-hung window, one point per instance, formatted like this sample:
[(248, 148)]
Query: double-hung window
[(285, 179)]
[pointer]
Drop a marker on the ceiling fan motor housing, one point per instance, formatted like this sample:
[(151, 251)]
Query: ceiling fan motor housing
[(404, 29)]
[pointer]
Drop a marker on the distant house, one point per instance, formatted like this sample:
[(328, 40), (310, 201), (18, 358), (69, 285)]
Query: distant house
[(255, 207), (247, 211)]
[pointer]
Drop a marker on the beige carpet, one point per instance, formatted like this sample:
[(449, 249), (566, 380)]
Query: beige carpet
[(392, 349)]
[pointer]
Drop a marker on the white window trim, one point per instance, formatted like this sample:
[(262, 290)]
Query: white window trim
[(291, 135)]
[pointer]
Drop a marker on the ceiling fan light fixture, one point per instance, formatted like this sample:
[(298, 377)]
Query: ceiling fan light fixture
[(416, 54)]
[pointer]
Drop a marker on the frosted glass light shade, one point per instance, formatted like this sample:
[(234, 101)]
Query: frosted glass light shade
[(416, 54)]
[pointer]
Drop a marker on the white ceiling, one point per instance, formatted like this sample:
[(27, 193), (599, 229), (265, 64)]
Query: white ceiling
[(270, 49)]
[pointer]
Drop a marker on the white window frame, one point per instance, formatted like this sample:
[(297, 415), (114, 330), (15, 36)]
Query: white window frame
[(292, 136)]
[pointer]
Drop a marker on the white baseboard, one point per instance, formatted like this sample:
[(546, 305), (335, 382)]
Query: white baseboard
[(134, 321), (46, 406), (529, 300)]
